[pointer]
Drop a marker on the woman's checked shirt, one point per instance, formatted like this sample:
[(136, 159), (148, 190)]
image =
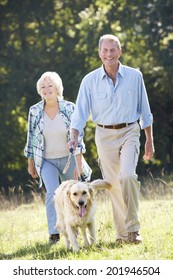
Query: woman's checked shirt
[(34, 148)]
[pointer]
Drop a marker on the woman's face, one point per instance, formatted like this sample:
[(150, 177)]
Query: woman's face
[(48, 89)]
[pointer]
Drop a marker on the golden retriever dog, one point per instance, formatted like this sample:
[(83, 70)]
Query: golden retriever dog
[(75, 208)]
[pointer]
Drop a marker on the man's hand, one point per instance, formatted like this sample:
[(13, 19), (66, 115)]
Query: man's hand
[(74, 139), (149, 145), (149, 150), (73, 143)]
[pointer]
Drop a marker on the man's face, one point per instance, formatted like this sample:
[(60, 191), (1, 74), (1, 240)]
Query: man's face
[(109, 53)]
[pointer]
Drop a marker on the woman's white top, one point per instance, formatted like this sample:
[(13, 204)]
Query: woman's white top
[(55, 137)]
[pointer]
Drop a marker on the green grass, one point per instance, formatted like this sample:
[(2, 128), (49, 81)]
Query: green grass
[(23, 234)]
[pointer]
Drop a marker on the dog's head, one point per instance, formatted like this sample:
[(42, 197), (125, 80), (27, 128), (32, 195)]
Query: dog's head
[(81, 195)]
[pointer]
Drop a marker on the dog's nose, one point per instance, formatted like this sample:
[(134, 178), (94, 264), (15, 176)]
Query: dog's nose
[(81, 202)]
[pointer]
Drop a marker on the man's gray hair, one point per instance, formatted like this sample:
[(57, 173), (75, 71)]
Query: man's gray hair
[(109, 37)]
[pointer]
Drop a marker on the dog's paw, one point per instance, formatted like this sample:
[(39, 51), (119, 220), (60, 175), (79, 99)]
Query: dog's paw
[(76, 249), (87, 243)]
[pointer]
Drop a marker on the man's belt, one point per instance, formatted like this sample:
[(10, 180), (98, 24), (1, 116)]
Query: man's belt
[(115, 126)]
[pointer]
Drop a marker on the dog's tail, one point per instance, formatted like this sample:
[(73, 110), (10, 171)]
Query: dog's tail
[(100, 185)]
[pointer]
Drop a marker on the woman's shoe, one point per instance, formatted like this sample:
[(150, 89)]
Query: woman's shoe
[(54, 238)]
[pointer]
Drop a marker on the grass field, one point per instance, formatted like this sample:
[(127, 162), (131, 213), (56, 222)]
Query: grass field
[(23, 234)]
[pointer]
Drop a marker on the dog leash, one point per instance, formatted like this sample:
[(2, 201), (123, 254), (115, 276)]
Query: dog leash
[(68, 161), (71, 152)]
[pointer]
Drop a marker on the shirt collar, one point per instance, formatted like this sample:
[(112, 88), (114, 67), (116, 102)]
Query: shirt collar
[(41, 105), (102, 72), (61, 104), (120, 71), (60, 101)]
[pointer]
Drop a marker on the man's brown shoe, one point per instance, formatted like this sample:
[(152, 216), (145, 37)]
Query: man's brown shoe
[(134, 237), (120, 241)]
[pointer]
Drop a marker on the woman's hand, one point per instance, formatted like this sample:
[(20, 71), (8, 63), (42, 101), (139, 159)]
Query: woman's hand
[(31, 169)]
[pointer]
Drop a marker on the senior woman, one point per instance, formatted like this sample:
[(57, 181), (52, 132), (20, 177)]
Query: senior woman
[(46, 147)]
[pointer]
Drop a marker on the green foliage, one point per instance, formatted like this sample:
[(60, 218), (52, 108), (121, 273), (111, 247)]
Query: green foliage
[(62, 36)]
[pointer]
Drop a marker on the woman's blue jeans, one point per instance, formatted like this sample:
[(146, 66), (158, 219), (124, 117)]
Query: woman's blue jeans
[(52, 176)]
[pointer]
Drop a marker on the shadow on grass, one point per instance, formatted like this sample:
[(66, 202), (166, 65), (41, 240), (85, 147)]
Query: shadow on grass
[(44, 251), (39, 251)]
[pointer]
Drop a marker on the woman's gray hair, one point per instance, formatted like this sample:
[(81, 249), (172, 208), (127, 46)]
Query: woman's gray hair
[(109, 37), (55, 78)]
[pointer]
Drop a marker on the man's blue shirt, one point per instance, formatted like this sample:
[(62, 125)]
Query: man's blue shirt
[(124, 102)]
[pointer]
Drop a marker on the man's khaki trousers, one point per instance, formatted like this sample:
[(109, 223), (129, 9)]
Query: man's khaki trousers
[(118, 151)]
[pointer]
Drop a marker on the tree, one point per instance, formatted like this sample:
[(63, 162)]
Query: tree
[(146, 33), (62, 36)]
